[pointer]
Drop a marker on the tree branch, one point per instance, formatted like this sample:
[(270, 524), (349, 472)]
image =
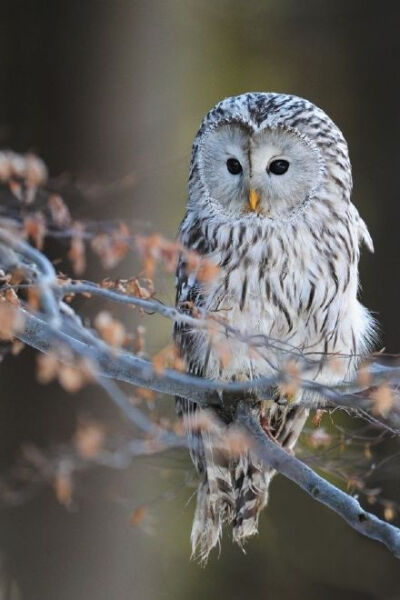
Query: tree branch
[(321, 490), (126, 367), (56, 327)]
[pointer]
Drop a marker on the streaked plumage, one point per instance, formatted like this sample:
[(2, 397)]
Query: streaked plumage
[(288, 269)]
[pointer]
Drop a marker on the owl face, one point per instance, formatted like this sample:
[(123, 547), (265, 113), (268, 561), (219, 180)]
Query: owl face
[(267, 173), (264, 155)]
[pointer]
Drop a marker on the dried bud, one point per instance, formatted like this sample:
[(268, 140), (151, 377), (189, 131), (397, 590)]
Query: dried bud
[(111, 330), (76, 252), (137, 516), (71, 378), (319, 438), (134, 288), (364, 376), (12, 297), (47, 368), (63, 486), (11, 321), (383, 400), (139, 340), (35, 171), (389, 512), (35, 229), (316, 420), (59, 211), (112, 248), (89, 438), (17, 347)]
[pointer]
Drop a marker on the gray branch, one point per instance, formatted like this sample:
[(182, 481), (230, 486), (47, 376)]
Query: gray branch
[(124, 366), (55, 328), (321, 490)]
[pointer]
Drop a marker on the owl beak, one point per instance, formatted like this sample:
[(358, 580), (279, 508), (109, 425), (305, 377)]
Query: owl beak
[(254, 200)]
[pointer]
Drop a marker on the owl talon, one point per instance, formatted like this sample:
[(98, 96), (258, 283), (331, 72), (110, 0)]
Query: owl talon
[(264, 422)]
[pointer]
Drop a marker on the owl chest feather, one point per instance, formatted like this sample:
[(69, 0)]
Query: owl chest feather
[(292, 285), (281, 287)]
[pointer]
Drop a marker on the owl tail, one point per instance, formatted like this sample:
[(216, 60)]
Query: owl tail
[(252, 481), (236, 491), (252, 478), (215, 500)]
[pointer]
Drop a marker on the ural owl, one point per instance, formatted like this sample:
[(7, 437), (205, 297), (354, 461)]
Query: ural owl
[(269, 202)]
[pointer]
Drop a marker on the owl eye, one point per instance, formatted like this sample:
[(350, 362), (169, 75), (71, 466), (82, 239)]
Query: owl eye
[(279, 167), (234, 166)]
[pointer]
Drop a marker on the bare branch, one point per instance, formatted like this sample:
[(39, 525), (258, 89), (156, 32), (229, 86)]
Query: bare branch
[(124, 366), (57, 326), (47, 277), (321, 490)]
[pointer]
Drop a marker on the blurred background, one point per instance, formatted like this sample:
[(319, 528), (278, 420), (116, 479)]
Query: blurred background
[(110, 94)]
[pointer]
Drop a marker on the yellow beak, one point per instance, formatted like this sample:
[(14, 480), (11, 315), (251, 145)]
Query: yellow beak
[(254, 199)]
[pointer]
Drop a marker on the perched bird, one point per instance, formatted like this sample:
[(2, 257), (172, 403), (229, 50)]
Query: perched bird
[(270, 204)]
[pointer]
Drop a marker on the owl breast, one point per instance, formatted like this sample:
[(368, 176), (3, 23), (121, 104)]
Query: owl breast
[(283, 293)]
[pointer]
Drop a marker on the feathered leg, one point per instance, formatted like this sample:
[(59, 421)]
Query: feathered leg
[(252, 479), (215, 502), (233, 490), (215, 499)]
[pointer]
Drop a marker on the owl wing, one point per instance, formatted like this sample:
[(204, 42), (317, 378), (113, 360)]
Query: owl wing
[(364, 235), (215, 502), (188, 295)]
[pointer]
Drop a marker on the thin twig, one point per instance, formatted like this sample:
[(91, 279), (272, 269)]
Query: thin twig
[(47, 277)]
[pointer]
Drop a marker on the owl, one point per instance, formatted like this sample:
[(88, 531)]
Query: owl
[(270, 204)]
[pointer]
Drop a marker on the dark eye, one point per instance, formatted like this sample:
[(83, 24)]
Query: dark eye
[(234, 166), (279, 167)]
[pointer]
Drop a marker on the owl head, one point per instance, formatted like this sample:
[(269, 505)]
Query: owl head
[(267, 156)]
